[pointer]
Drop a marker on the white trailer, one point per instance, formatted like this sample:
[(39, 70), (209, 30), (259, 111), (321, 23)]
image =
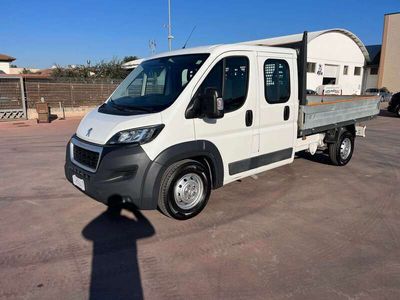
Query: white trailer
[(192, 120)]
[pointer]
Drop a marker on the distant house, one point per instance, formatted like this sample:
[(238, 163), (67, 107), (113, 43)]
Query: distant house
[(5, 61)]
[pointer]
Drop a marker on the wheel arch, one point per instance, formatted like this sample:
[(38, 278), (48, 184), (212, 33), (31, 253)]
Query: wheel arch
[(333, 135), (351, 128), (200, 150)]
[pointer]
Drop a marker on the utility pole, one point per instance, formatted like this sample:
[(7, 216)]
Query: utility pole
[(170, 36)]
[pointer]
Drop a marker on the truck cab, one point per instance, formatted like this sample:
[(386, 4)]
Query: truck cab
[(189, 121)]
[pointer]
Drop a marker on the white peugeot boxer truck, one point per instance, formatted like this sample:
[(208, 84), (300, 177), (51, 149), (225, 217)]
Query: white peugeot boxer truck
[(189, 121)]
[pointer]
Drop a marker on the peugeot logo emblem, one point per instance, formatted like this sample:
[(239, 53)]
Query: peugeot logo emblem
[(88, 132)]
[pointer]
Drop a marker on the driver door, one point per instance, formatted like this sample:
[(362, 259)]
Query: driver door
[(235, 135)]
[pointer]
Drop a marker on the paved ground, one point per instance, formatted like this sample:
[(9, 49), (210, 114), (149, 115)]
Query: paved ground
[(305, 231)]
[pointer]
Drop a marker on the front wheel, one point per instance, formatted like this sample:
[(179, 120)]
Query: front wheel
[(185, 189), (341, 151)]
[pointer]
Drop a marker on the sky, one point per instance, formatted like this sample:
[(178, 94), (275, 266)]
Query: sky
[(40, 33)]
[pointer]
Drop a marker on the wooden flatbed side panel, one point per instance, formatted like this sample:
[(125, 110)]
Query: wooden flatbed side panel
[(324, 100)]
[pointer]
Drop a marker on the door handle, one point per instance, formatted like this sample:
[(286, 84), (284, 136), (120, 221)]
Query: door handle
[(286, 113), (249, 118)]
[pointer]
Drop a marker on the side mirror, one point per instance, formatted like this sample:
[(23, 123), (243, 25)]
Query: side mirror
[(212, 105)]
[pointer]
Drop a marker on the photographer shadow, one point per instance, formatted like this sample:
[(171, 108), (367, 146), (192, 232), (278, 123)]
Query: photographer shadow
[(115, 270)]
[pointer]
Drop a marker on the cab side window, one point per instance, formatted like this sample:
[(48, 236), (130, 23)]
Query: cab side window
[(276, 81), (230, 77)]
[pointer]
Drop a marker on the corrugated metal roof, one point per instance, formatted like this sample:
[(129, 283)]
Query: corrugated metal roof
[(296, 38)]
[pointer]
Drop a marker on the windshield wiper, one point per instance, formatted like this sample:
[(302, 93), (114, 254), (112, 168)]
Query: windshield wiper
[(130, 108)]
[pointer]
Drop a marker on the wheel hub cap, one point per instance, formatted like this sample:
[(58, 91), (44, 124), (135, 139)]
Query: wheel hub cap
[(188, 191), (345, 148)]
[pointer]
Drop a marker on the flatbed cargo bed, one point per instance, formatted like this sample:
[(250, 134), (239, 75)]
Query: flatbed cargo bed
[(321, 113)]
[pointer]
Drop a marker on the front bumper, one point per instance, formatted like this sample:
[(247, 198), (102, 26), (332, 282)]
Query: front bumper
[(120, 174)]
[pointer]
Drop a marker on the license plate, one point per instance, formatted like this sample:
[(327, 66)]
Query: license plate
[(78, 182)]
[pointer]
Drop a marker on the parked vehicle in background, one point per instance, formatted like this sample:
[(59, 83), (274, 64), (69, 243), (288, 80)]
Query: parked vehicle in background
[(311, 92), (329, 89), (186, 122), (383, 93), (394, 104)]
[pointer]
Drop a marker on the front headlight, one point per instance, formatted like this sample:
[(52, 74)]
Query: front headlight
[(138, 135)]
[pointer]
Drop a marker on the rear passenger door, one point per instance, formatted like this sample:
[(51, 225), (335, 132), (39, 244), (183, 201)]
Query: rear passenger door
[(277, 107)]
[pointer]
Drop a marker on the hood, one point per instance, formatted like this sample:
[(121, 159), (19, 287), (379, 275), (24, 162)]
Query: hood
[(98, 127)]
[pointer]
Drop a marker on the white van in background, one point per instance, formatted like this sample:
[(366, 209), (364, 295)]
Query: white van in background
[(329, 89)]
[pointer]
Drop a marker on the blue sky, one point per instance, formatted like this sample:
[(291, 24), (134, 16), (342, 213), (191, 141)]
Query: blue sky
[(40, 33)]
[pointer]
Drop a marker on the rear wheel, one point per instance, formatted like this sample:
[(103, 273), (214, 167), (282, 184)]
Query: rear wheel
[(341, 151), (185, 189), (398, 110)]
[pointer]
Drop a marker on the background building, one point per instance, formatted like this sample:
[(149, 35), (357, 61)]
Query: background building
[(5, 61), (389, 67), (371, 69), (335, 56)]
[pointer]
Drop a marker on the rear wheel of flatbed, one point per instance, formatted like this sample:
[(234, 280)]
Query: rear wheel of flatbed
[(341, 151)]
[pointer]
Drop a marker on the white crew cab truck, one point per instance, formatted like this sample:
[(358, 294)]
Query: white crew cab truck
[(189, 121)]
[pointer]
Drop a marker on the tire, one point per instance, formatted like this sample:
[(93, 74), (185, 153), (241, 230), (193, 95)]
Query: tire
[(342, 150), (184, 190), (398, 111)]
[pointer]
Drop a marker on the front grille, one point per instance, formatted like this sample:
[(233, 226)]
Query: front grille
[(86, 157)]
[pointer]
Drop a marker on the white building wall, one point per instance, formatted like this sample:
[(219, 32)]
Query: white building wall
[(334, 48), (5, 67), (20, 70)]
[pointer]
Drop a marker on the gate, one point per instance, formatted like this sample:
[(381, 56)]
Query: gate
[(12, 98)]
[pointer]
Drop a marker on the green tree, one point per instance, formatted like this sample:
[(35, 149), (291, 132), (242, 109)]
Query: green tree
[(26, 71), (104, 69)]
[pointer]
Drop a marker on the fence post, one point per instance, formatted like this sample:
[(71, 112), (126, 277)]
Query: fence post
[(62, 110), (23, 99), (72, 93)]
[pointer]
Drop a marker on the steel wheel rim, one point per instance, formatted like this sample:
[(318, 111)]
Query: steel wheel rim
[(345, 148), (188, 191)]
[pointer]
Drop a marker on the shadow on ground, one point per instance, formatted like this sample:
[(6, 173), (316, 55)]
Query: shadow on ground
[(319, 157), (115, 270), (386, 113)]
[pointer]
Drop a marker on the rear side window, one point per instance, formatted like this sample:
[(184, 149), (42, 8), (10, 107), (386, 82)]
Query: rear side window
[(230, 77), (276, 81)]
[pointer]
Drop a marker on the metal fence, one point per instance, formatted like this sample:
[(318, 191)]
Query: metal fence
[(12, 98), (18, 93), (70, 94)]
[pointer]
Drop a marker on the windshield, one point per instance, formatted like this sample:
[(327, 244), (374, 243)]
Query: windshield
[(155, 84)]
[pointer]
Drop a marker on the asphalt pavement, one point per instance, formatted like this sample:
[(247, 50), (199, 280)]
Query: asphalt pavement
[(308, 230)]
